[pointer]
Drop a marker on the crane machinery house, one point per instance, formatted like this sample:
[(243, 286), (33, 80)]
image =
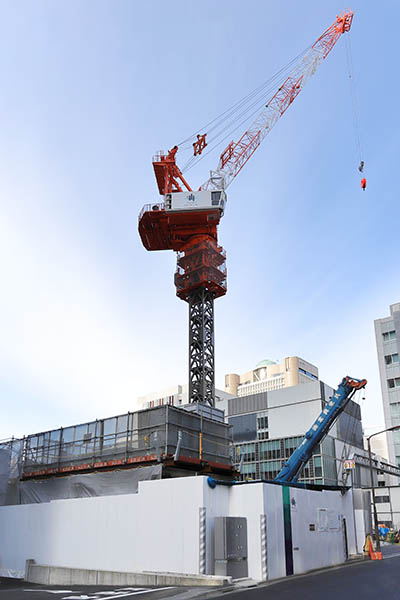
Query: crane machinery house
[(201, 200)]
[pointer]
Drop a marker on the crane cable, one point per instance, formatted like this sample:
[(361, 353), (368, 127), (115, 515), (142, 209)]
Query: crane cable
[(228, 120), (242, 101), (354, 105)]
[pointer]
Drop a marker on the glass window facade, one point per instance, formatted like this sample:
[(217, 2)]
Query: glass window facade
[(263, 459), (244, 427)]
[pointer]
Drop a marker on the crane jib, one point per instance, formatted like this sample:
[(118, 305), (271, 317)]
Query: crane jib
[(235, 156)]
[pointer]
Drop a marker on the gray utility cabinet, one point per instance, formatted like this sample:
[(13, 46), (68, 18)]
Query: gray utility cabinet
[(230, 546)]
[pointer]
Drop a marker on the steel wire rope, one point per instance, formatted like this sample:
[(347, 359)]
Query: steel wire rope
[(258, 103), (257, 98), (353, 94), (225, 138), (195, 160), (247, 98)]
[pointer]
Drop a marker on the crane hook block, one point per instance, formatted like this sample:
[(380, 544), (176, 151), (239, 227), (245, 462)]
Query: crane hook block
[(199, 146), (363, 184), (361, 167)]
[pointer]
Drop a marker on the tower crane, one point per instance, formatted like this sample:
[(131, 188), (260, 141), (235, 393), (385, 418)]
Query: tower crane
[(187, 220)]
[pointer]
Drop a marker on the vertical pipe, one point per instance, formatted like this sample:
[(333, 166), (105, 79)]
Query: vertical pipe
[(95, 441), (59, 448), (166, 432), (202, 540), (127, 435), (264, 552), (378, 542)]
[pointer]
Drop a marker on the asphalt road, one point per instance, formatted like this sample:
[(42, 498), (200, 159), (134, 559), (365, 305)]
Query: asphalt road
[(366, 580), (12, 589)]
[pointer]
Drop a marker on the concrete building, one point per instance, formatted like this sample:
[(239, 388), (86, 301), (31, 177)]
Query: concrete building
[(268, 427), (388, 504), (269, 375), (387, 332), (174, 396)]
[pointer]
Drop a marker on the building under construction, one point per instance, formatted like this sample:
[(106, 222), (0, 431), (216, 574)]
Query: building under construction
[(109, 456)]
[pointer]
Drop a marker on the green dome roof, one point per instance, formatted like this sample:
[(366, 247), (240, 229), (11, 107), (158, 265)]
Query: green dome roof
[(265, 363)]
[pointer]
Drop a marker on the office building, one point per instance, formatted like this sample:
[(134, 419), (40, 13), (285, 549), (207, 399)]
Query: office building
[(269, 375), (268, 427), (387, 332)]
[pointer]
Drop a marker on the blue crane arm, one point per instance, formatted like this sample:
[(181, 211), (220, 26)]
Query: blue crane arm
[(320, 428)]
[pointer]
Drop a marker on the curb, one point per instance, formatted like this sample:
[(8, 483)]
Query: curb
[(50, 575)]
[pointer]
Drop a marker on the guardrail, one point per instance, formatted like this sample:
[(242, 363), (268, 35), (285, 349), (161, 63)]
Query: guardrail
[(151, 208)]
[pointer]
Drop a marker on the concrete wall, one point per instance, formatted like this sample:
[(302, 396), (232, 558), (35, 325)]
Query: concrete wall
[(158, 529)]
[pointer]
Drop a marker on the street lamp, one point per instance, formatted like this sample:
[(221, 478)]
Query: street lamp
[(378, 542)]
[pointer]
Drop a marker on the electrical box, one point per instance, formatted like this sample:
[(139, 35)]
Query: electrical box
[(230, 546), (202, 200)]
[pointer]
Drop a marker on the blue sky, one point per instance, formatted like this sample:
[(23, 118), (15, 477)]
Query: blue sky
[(90, 90)]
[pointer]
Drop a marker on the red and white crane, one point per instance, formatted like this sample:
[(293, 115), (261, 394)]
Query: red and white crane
[(187, 220)]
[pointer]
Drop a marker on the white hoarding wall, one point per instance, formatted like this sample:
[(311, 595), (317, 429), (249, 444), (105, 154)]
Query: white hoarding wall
[(158, 529), (318, 532), (154, 530)]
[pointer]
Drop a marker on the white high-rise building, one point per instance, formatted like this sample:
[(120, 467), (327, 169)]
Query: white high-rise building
[(387, 332)]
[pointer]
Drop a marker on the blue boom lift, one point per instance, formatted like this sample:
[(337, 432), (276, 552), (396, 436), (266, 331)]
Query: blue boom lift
[(336, 404)]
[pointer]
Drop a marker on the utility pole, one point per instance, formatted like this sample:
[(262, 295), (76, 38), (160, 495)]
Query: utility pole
[(378, 542)]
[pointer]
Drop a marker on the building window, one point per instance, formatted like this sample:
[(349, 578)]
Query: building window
[(249, 471), (381, 484), (304, 372), (269, 470), (291, 444), (391, 359), (270, 450), (382, 499), (262, 435), (395, 413), (317, 466), (262, 422), (393, 382), (248, 451), (389, 336)]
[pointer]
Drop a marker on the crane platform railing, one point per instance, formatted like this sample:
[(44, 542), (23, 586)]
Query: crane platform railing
[(150, 207)]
